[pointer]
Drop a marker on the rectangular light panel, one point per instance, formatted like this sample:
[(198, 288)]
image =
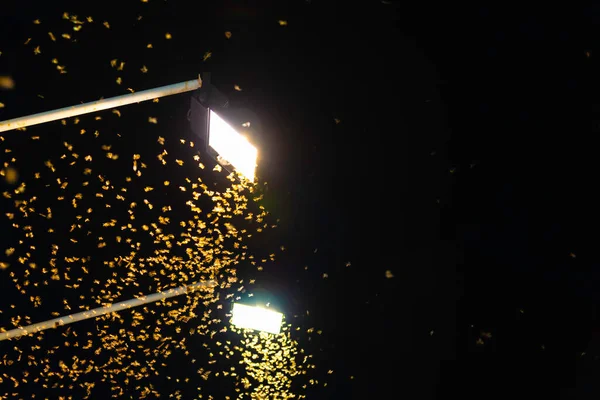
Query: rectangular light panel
[(257, 318), (232, 146)]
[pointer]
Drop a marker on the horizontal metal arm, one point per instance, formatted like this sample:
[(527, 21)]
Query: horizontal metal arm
[(100, 105), (97, 312)]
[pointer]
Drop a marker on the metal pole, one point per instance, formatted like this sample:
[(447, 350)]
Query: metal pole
[(80, 316), (99, 105)]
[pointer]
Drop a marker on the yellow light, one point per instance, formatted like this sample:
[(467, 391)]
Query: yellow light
[(257, 318), (231, 146)]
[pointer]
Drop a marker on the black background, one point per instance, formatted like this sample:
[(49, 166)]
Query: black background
[(464, 162)]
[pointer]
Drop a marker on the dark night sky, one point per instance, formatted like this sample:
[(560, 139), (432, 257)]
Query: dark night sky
[(463, 162)]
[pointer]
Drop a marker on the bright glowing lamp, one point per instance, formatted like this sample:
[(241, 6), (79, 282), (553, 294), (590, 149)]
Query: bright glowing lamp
[(257, 318), (231, 146)]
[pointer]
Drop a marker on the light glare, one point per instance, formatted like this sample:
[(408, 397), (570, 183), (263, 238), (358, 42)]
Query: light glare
[(232, 146), (257, 318)]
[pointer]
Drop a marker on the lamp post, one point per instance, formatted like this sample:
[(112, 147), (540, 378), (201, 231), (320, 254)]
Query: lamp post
[(107, 309), (99, 105)]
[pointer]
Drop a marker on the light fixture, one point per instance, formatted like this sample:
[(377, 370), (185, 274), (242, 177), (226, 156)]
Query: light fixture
[(208, 116), (257, 318), (231, 146)]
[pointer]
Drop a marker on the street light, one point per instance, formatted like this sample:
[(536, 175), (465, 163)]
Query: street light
[(229, 146), (257, 318), (243, 316), (221, 140)]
